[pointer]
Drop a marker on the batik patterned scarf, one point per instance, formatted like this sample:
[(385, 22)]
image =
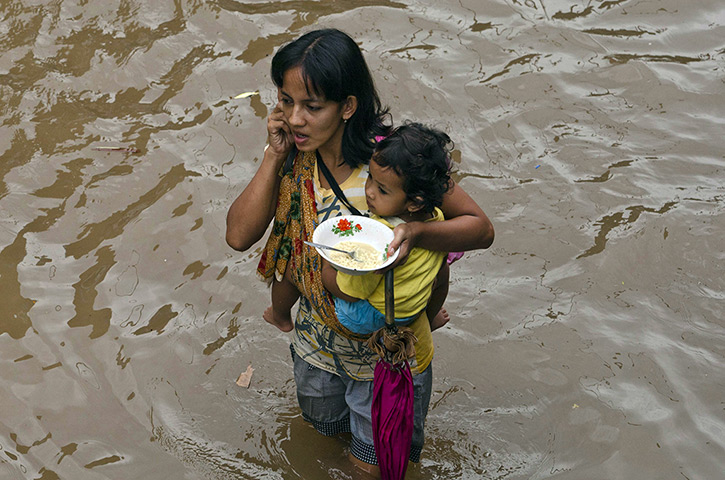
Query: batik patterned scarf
[(295, 220)]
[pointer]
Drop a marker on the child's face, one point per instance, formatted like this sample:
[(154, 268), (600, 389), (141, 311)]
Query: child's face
[(384, 192)]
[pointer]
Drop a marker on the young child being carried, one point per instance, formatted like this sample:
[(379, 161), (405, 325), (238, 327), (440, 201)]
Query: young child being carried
[(408, 176)]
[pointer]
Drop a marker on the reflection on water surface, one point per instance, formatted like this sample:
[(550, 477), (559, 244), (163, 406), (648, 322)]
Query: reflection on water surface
[(584, 344)]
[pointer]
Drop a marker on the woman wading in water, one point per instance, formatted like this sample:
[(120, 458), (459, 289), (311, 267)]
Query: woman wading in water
[(329, 113)]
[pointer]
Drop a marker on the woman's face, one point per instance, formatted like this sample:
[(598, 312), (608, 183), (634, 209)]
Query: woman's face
[(315, 121)]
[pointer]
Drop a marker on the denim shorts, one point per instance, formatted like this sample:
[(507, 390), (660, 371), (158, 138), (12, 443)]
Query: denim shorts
[(336, 404)]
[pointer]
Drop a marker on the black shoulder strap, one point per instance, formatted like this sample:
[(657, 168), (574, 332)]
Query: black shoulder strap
[(335, 187)]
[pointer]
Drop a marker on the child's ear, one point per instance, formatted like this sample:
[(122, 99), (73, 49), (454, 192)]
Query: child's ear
[(415, 205)]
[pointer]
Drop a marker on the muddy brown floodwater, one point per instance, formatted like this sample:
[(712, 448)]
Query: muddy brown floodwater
[(588, 342)]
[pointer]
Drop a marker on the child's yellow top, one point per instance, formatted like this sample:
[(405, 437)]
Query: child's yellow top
[(318, 344), (413, 280)]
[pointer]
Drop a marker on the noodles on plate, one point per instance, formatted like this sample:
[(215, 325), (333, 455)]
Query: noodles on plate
[(366, 255)]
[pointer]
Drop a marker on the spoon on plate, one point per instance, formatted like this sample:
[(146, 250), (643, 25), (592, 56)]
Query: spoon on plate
[(327, 247)]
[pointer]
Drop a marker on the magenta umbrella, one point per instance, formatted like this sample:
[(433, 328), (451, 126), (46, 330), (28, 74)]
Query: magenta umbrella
[(392, 407)]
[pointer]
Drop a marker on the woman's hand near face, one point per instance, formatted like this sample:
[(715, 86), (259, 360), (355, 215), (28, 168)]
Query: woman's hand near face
[(279, 134), (250, 214)]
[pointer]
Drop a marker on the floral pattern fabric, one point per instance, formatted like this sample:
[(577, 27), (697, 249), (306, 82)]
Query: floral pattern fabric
[(295, 220)]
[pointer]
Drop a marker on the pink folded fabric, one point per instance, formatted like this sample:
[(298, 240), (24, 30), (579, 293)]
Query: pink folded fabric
[(454, 256)]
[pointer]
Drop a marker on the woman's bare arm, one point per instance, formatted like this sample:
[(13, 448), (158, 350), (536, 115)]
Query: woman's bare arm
[(250, 214), (466, 228)]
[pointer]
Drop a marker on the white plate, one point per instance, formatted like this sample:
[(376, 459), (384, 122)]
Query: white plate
[(354, 228)]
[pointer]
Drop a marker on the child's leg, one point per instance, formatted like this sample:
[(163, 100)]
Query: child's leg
[(437, 315), (284, 296)]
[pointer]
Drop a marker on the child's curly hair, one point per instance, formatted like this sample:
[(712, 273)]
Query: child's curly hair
[(421, 155)]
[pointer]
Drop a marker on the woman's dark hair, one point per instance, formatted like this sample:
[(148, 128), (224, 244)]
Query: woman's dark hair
[(421, 155), (333, 66)]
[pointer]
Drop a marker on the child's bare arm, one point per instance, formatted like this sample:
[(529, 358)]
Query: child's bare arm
[(329, 280)]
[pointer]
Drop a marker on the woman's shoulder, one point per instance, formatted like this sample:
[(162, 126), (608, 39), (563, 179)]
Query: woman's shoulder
[(356, 179)]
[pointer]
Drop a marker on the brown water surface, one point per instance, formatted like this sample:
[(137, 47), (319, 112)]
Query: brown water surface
[(588, 342)]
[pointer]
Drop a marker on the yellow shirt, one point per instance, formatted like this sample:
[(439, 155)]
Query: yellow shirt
[(413, 280), (317, 344)]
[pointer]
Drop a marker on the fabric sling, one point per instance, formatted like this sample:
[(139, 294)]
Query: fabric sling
[(295, 221)]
